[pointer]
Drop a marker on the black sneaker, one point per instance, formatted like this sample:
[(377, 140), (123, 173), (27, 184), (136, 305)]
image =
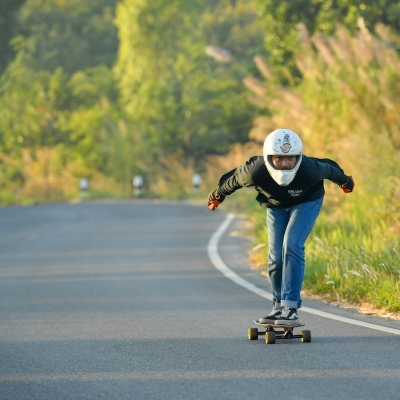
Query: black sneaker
[(271, 317), (288, 317)]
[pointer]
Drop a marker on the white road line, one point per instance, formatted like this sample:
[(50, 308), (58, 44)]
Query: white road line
[(215, 258)]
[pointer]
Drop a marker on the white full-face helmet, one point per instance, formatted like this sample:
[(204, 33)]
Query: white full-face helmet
[(282, 142)]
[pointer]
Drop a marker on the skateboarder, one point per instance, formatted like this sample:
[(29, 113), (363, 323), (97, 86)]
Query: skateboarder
[(290, 186)]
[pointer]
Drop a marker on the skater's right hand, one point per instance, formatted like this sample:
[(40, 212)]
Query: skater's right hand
[(214, 200)]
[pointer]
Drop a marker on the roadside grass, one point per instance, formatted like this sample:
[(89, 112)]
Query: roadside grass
[(349, 259), (338, 266)]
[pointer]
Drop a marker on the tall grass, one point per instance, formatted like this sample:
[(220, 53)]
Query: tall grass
[(348, 259), (355, 259)]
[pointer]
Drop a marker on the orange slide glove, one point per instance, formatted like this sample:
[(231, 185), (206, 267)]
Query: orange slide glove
[(348, 187), (214, 200)]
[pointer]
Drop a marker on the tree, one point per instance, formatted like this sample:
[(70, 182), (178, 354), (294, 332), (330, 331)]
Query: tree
[(70, 34), (8, 28), (184, 102)]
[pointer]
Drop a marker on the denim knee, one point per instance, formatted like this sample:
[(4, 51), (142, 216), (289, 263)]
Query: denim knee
[(292, 248)]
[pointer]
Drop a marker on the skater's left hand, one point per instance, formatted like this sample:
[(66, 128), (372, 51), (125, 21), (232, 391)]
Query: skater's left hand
[(348, 187)]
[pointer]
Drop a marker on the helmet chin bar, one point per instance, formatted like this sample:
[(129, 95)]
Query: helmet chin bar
[(282, 177)]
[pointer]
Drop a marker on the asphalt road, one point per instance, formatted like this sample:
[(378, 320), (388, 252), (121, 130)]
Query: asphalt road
[(119, 300)]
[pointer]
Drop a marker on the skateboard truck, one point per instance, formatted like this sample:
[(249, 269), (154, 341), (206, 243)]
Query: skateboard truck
[(273, 332)]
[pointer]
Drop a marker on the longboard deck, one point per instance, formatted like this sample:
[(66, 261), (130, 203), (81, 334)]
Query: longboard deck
[(257, 322)]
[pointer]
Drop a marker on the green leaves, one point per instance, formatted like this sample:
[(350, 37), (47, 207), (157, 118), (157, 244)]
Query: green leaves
[(74, 35), (280, 19), (184, 102), (8, 29)]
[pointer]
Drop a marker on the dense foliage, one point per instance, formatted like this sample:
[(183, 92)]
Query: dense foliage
[(100, 112), (280, 19), (73, 34), (8, 29), (186, 103)]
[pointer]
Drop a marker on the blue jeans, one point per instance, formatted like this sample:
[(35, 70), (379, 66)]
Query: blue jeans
[(288, 229)]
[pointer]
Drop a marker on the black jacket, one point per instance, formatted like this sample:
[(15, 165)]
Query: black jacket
[(307, 185)]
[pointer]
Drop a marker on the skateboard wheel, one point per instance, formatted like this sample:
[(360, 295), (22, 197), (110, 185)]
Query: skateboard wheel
[(252, 333), (270, 337), (306, 336)]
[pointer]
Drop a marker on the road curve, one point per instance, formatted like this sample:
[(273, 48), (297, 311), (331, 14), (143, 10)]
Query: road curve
[(119, 300)]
